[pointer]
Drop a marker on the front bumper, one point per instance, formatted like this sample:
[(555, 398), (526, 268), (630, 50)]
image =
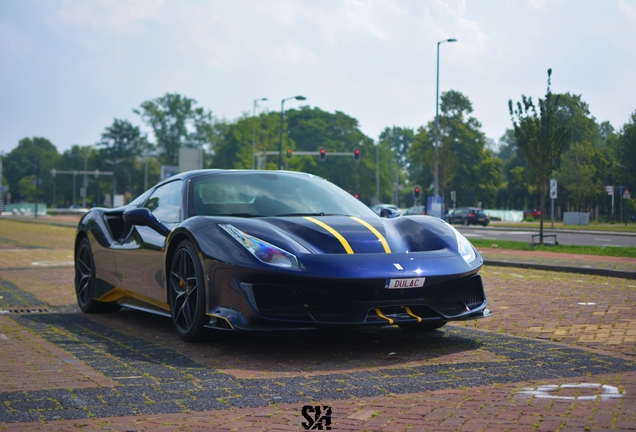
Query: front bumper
[(324, 303)]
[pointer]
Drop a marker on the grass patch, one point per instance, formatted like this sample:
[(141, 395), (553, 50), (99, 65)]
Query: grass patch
[(35, 234), (629, 252), (559, 225)]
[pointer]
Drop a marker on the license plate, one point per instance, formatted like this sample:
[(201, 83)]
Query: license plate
[(404, 283), (482, 219)]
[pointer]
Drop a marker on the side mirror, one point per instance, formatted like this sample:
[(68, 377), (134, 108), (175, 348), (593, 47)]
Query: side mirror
[(389, 213), (143, 217)]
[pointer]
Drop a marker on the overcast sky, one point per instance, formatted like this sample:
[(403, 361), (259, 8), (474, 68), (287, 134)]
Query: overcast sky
[(68, 68)]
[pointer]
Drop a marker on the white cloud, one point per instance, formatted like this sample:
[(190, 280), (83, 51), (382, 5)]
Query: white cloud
[(107, 16)]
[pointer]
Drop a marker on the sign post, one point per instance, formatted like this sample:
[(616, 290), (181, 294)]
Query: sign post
[(553, 196), (610, 191)]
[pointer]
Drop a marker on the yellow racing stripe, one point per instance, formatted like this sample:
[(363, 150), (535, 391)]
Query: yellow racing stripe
[(333, 232), (380, 237)]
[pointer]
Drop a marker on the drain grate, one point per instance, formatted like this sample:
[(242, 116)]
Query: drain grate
[(24, 310)]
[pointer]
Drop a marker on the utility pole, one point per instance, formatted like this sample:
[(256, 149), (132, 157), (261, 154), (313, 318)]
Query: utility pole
[(254, 163), (377, 173), (437, 137)]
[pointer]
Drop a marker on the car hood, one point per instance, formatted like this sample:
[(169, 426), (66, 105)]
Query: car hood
[(348, 234), (370, 245)]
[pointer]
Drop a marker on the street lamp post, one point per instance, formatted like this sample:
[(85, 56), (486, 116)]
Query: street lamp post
[(280, 145), (437, 139), (256, 101)]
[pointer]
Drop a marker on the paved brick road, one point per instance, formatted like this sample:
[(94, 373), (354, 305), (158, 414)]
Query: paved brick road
[(543, 362)]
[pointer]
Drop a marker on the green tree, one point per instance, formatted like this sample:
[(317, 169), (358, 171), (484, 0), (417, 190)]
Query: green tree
[(465, 163), (624, 154), (30, 156), (176, 123), (124, 144), (309, 129), (581, 172), (540, 137), (399, 140)]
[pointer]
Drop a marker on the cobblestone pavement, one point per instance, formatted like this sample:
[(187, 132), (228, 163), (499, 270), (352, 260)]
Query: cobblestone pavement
[(559, 354), (559, 259)]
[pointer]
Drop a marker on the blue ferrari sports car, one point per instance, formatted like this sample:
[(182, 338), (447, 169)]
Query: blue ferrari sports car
[(264, 250)]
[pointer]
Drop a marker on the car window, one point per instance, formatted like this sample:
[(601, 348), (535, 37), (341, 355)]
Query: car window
[(140, 199), (165, 202), (270, 194)]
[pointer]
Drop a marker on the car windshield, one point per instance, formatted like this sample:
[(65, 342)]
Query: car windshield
[(257, 194)]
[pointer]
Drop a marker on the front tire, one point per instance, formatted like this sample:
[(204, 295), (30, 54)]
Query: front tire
[(85, 281), (465, 221), (187, 292), (422, 327)]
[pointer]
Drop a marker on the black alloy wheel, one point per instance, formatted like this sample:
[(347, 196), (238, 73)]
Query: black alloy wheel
[(85, 281), (423, 326), (187, 292), (465, 221)]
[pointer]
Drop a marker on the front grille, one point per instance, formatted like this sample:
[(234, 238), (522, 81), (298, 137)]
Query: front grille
[(300, 303), (467, 292), (347, 303)]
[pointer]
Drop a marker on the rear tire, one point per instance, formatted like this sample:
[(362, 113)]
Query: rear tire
[(465, 221), (187, 292), (423, 326), (85, 281)]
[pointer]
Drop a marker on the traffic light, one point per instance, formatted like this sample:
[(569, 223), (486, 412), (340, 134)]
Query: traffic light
[(323, 154), (356, 154), (417, 192), (289, 153)]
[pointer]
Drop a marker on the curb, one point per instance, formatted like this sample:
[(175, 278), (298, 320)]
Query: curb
[(565, 269)]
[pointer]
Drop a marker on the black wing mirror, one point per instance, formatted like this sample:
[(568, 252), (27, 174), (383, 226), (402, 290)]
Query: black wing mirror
[(389, 213), (143, 217)]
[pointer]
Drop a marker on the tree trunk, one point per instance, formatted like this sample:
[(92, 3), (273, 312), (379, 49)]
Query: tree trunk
[(542, 212)]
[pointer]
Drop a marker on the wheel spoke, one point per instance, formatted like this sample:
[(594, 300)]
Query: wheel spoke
[(82, 267), (187, 313)]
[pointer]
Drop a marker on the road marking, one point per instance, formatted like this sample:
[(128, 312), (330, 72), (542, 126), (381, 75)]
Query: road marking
[(471, 235), (586, 303), (543, 392), (52, 263), (602, 239)]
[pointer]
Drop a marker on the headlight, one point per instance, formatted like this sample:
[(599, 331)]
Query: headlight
[(265, 252), (464, 247)]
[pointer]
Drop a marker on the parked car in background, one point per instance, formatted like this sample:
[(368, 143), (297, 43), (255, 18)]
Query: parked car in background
[(415, 210), (468, 216), (378, 207), (535, 214)]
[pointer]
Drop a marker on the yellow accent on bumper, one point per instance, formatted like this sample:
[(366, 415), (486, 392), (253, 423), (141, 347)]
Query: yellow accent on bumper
[(333, 232), (380, 237), (408, 311), (118, 293), (220, 317), (381, 315)]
